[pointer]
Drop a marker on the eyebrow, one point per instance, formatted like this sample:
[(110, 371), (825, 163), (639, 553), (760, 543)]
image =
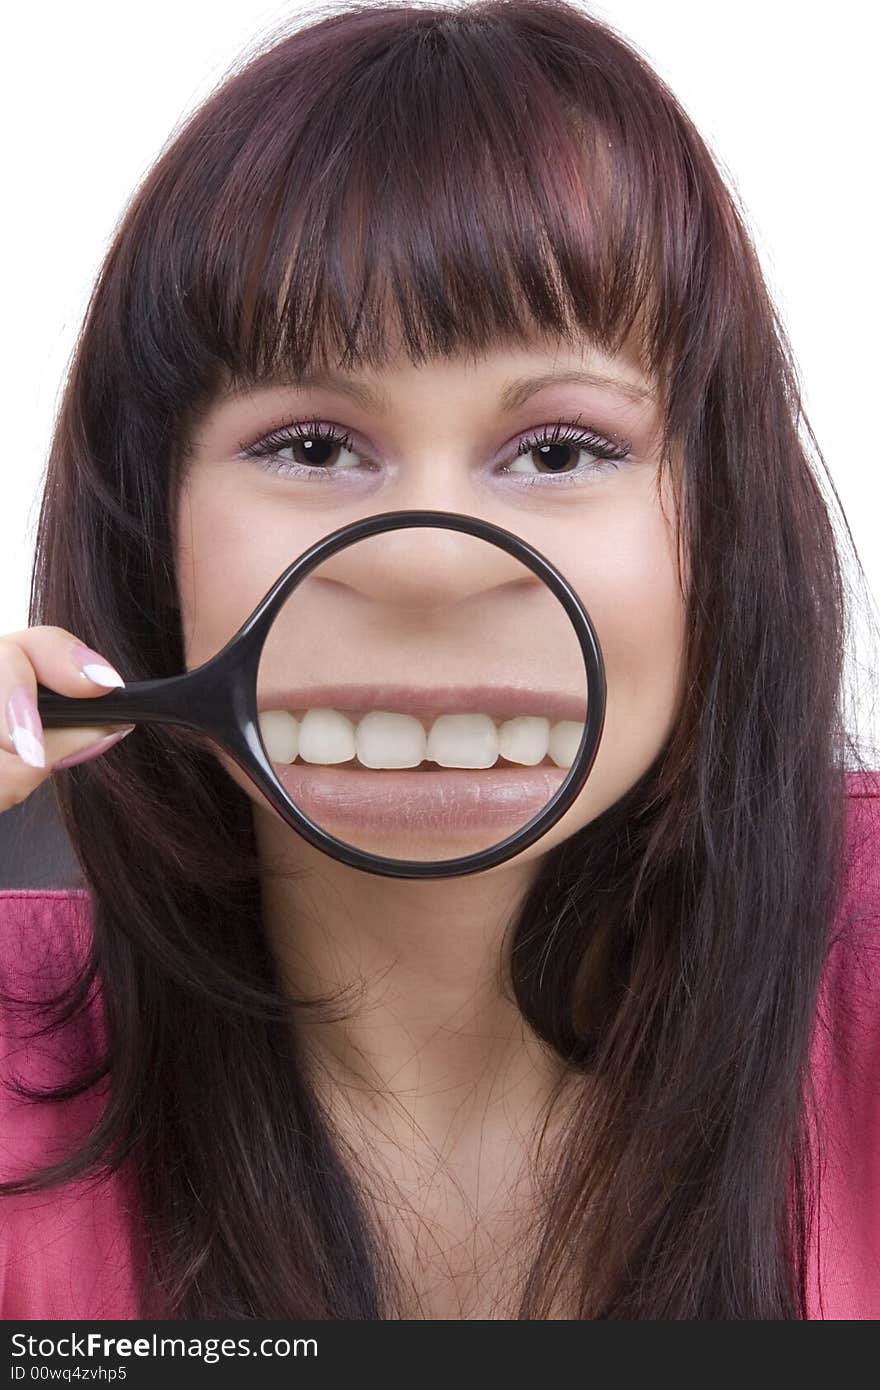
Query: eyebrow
[(514, 393)]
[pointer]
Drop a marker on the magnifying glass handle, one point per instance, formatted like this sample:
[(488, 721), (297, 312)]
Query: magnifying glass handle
[(139, 700), (172, 700)]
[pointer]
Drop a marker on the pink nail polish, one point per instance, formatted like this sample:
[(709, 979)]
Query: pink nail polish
[(26, 727), (94, 750), (93, 665)]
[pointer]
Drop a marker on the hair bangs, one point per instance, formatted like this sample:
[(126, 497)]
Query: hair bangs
[(469, 190)]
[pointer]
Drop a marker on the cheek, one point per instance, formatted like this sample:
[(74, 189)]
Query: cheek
[(630, 587), (640, 616), (230, 551)]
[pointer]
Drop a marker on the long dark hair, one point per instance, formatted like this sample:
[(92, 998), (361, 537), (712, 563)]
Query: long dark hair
[(465, 173)]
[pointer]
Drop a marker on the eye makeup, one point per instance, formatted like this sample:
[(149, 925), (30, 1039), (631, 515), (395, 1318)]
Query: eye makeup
[(315, 437)]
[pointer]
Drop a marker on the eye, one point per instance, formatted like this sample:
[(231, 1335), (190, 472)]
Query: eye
[(556, 449), (314, 447)]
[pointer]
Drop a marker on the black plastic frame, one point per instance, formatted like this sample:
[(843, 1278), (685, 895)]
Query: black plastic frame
[(219, 698)]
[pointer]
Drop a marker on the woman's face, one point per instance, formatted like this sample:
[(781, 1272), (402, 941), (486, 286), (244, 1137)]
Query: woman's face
[(444, 436)]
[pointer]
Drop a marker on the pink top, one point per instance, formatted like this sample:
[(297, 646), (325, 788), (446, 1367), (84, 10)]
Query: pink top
[(72, 1253)]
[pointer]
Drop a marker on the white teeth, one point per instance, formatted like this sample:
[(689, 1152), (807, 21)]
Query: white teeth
[(381, 739), (390, 740), (326, 736), (524, 739), (564, 739), (463, 740), (280, 732)]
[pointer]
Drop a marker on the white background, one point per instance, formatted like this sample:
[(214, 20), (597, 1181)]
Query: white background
[(784, 93)]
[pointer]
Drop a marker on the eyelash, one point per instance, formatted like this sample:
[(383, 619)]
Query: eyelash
[(609, 455)]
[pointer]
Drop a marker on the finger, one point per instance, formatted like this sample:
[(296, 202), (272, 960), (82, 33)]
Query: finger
[(58, 660)]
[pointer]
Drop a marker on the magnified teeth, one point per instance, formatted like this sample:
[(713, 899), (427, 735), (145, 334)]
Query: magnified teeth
[(390, 740), (280, 732), (564, 739), (463, 740), (524, 740), (326, 736), (385, 739)]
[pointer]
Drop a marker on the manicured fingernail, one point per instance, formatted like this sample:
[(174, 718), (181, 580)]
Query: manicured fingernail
[(93, 665), (94, 750), (25, 727)]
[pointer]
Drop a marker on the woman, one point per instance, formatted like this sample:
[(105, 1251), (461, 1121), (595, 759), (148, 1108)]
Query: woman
[(599, 1080)]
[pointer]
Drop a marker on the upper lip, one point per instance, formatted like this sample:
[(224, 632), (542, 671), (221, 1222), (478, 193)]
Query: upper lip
[(503, 701)]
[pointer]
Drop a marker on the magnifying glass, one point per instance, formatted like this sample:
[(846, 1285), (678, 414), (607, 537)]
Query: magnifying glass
[(421, 694)]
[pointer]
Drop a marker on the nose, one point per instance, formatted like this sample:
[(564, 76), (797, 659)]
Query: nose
[(425, 567)]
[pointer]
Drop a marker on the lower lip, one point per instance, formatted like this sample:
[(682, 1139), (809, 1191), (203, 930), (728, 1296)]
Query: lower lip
[(439, 800)]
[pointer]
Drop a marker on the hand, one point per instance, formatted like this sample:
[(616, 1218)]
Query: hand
[(57, 659)]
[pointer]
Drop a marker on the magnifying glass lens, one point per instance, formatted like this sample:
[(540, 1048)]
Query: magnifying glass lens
[(421, 694)]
